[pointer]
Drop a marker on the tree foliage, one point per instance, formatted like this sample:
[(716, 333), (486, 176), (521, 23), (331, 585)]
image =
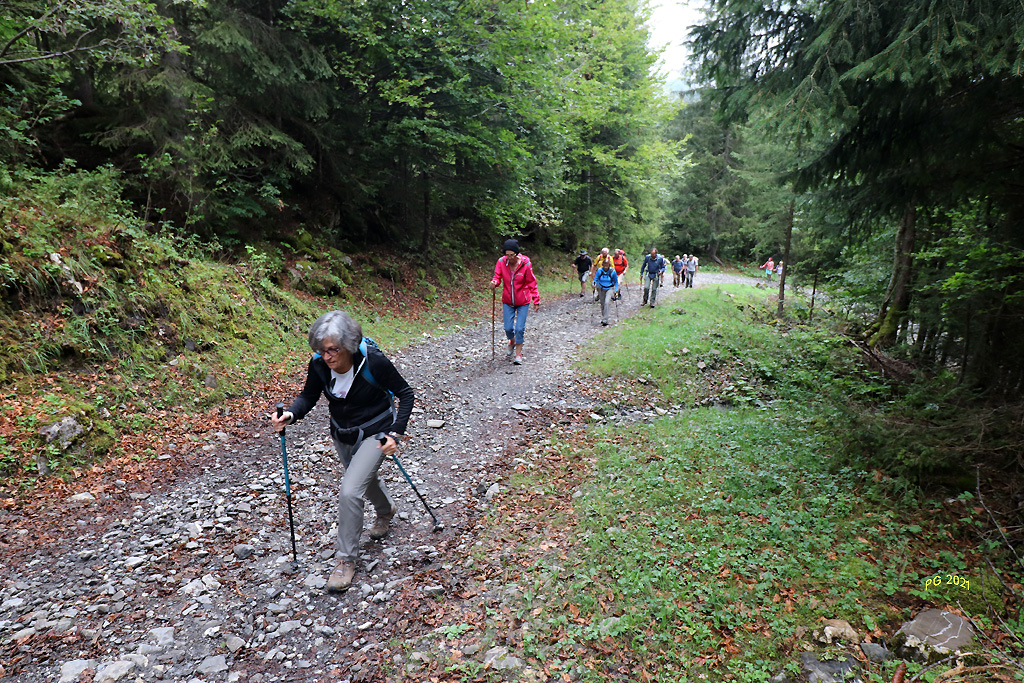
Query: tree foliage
[(415, 122), (915, 112)]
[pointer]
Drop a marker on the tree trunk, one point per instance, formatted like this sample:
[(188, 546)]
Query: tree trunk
[(814, 291), (897, 296), (712, 250), (785, 260), (425, 241)]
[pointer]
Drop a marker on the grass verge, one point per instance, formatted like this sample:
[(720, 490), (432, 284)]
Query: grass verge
[(712, 544)]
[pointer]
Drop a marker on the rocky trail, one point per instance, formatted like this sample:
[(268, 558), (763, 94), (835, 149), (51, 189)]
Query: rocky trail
[(191, 579)]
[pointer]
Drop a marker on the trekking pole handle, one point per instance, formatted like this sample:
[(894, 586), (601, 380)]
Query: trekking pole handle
[(280, 412)]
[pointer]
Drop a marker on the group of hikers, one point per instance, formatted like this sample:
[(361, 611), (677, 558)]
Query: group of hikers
[(606, 271)]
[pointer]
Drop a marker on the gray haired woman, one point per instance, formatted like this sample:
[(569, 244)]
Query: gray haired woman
[(358, 381)]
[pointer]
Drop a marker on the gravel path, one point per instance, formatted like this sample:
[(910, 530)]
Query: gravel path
[(193, 580)]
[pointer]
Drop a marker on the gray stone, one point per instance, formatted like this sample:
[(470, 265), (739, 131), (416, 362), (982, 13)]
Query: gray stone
[(433, 590), (64, 432), (436, 424), (114, 671), (837, 629), (288, 626), (499, 658), (84, 497), (838, 670), (876, 653), (23, 633), (314, 581), (492, 491), (520, 406), (164, 636), (931, 635), (212, 665), (243, 551), (71, 671), (234, 643)]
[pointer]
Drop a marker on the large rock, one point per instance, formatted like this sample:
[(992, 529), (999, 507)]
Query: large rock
[(932, 635), (816, 668), (64, 432)]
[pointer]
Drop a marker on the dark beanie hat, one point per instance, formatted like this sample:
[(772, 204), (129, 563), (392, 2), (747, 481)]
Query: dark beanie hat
[(511, 245)]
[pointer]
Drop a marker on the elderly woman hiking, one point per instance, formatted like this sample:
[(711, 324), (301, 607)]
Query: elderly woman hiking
[(515, 272), (358, 381)]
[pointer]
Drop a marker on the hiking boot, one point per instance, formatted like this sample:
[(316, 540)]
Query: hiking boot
[(341, 577), (511, 348), (604, 323), (382, 526), (518, 360)]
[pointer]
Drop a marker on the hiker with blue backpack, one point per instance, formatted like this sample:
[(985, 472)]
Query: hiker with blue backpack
[(606, 281), (359, 383)]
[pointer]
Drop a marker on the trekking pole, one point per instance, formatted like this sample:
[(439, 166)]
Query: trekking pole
[(494, 304), (287, 487), (438, 526)]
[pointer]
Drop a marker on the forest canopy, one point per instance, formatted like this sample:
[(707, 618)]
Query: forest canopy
[(409, 122)]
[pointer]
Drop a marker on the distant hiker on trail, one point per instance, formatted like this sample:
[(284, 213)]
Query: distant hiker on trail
[(358, 381), (691, 270), (778, 269), (603, 258), (677, 270), (583, 264), (520, 288), (768, 267), (654, 266), (606, 281), (621, 264)]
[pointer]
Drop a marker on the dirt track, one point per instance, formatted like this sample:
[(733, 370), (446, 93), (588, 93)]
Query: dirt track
[(192, 581)]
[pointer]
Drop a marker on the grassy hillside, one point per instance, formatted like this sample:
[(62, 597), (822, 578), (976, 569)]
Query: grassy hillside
[(143, 334)]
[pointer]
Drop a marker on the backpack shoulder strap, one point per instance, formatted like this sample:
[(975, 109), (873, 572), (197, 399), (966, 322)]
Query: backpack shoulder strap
[(364, 367)]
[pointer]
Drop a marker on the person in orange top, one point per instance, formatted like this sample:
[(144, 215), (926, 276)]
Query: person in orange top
[(515, 272), (621, 264)]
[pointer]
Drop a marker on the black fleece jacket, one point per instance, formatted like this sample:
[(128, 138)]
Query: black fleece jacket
[(364, 400)]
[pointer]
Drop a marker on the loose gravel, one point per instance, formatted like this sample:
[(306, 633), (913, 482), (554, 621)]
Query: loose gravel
[(193, 580)]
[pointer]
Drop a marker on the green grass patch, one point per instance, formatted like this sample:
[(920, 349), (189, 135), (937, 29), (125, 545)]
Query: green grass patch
[(710, 347), (712, 544)]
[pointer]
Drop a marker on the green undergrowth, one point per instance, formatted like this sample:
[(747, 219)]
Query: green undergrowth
[(107, 316), (704, 348), (713, 543)]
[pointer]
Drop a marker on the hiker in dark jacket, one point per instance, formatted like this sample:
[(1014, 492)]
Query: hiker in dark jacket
[(358, 381), (654, 266)]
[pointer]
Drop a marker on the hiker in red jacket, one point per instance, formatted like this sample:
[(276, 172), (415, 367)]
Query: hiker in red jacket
[(515, 272)]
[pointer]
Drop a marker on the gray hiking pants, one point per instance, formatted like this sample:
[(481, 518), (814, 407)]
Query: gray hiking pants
[(650, 289), (359, 482), (606, 302)]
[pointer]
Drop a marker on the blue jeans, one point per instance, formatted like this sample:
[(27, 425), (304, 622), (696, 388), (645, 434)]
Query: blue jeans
[(515, 321)]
